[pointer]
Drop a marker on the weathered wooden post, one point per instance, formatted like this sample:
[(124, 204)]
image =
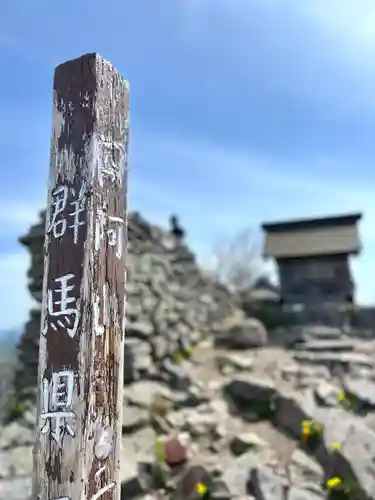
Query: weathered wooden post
[(77, 453)]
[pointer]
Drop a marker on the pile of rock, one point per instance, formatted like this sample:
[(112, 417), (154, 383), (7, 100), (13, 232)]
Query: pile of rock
[(208, 403), (171, 305), (234, 420)]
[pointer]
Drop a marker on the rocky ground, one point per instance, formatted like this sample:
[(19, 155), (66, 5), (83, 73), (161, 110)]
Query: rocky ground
[(236, 419), (209, 398)]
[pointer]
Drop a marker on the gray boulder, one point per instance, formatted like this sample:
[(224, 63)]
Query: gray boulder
[(251, 388), (243, 333), (306, 492), (16, 435), (237, 475), (16, 462), (302, 469), (347, 445), (265, 485), (15, 489), (363, 391), (339, 345)]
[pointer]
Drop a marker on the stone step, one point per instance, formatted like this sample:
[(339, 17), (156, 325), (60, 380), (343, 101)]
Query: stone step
[(346, 444), (333, 359), (326, 345), (363, 390), (320, 332)]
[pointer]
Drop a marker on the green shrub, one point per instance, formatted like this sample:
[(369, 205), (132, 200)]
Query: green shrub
[(159, 450), (15, 408), (160, 470), (188, 352), (178, 357), (347, 489)]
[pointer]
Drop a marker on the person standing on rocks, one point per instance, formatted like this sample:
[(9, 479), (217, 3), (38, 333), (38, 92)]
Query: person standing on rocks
[(175, 228)]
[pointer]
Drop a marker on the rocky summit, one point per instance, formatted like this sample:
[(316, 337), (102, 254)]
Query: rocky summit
[(254, 423), (170, 303), (212, 408)]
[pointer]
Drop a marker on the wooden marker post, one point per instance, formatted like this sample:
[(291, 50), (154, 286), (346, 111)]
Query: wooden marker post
[(77, 452)]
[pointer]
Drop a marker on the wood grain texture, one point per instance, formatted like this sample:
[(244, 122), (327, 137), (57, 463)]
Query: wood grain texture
[(80, 378)]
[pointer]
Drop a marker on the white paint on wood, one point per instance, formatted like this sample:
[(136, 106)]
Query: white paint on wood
[(104, 443), (68, 471), (62, 389), (103, 490), (58, 223), (110, 168), (60, 199), (115, 234), (98, 327), (113, 227), (105, 304), (78, 209), (66, 316), (99, 229), (57, 411)]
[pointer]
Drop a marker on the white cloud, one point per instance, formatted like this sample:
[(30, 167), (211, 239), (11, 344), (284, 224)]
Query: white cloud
[(223, 191), (315, 51), (211, 171), (344, 20), (347, 20), (18, 215), (216, 192)]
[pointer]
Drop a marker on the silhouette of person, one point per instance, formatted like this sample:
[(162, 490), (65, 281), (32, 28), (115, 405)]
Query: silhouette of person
[(175, 227)]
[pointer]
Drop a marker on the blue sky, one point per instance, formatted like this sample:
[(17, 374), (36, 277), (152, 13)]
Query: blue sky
[(242, 111)]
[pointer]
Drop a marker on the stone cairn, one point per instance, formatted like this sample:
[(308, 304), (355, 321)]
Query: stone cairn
[(170, 304), (211, 409)]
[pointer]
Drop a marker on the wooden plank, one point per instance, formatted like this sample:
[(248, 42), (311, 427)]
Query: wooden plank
[(77, 452)]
